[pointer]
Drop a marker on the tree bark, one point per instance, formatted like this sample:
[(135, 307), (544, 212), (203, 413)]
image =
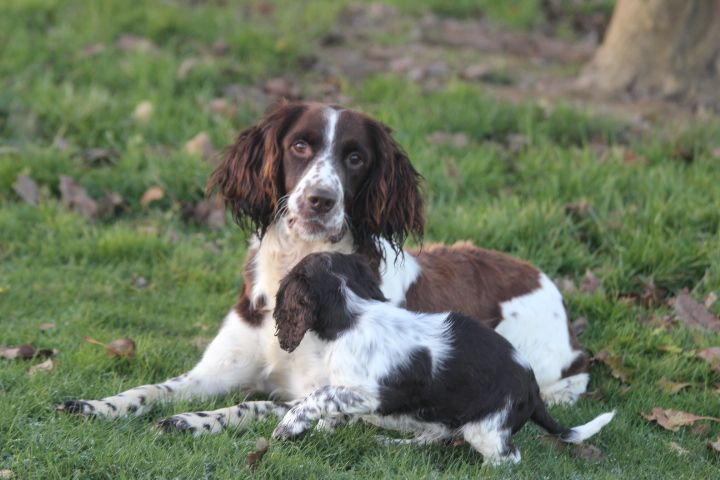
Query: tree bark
[(665, 48)]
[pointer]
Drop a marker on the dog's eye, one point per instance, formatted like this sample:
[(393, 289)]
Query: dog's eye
[(355, 159), (301, 147)]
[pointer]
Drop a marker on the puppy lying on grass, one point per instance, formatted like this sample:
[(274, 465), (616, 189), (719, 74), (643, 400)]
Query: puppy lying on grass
[(439, 376)]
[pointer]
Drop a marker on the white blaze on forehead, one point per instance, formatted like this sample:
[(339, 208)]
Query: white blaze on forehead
[(332, 117)]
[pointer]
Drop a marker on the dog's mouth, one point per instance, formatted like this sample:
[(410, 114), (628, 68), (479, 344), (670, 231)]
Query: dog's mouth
[(316, 228)]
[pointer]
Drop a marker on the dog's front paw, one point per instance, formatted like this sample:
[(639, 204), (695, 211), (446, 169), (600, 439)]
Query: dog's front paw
[(175, 424), (196, 423), (95, 408), (288, 431)]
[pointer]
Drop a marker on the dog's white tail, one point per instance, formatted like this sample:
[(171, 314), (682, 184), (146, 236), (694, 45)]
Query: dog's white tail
[(583, 432)]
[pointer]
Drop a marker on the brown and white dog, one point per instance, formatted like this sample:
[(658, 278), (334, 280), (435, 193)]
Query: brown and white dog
[(312, 178)]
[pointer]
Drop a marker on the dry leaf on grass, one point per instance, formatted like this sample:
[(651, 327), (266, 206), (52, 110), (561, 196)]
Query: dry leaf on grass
[(590, 282), (93, 49), (678, 449), (579, 326), (133, 43), (583, 451), (702, 429), (566, 285), (670, 387), (152, 194), (185, 67), (694, 313), (457, 140), (712, 356), (710, 300), (27, 189), (110, 205), (282, 88), (674, 419), (200, 145), (26, 352), (98, 157), (143, 112), (44, 327), (714, 446), (209, 212), (6, 474), (45, 366), (120, 348), (76, 197), (254, 458), (615, 363)]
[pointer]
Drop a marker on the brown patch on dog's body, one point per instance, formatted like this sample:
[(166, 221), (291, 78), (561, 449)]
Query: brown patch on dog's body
[(251, 314), (468, 280)]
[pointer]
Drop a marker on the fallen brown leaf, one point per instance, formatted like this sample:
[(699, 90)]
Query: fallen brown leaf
[(674, 419), (590, 282), (139, 281), (222, 106), (282, 87), (93, 49), (710, 300), (133, 43), (185, 67), (44, 327), (678, 449), (220, 48), (579, 325), (96, 157), (712, 356), (617, 369), (456, 140), (27, 189), (586, 451), (577, 210), (582, 450), (566, 285), (7, 474), (45, 366), (254, 458), (143, 112), (76, 197), (694, 313), (210, 212), (110, 204), (633, 158), (453, 172), (26, 352), (670, 387), (152, 194), (714, 446), (702, 429), (120, 348), (201, 145), (652, 295)]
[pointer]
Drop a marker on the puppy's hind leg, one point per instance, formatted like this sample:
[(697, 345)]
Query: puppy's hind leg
[(493, 441)]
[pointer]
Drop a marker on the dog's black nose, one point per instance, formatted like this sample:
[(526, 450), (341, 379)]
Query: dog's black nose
[(321, 201)]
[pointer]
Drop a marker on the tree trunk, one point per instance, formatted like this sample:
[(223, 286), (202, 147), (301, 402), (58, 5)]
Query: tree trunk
[(665, 48)]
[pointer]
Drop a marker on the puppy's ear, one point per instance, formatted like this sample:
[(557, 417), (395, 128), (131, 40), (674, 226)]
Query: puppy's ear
[(296, 310), (390, 203), (249, 177)]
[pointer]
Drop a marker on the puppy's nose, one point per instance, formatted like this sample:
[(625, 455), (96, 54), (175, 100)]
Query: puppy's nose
[(321, 201)]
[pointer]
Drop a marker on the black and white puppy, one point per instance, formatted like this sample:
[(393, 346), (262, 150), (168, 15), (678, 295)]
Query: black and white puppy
[(438, 376)]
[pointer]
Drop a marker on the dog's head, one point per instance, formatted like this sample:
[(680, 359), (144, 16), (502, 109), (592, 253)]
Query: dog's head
[(320, 170), (314, 296)]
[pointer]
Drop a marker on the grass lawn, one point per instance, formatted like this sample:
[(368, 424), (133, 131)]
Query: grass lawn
[(566, 189)]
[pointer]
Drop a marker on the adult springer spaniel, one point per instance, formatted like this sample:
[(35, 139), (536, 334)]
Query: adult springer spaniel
[(439, 376), (316, 178)]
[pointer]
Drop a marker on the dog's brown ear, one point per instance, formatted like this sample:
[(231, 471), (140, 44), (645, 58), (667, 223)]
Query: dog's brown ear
[(390, 204), (249, 177), (296, 310)]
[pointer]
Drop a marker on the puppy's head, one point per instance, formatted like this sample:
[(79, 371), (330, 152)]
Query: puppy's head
[(313, 296)]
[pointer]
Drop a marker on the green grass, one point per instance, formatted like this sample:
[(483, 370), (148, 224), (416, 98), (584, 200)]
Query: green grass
[(655, 219)]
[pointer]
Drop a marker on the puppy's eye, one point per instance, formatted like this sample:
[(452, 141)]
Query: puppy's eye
[(301, 147), (355, 159)]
